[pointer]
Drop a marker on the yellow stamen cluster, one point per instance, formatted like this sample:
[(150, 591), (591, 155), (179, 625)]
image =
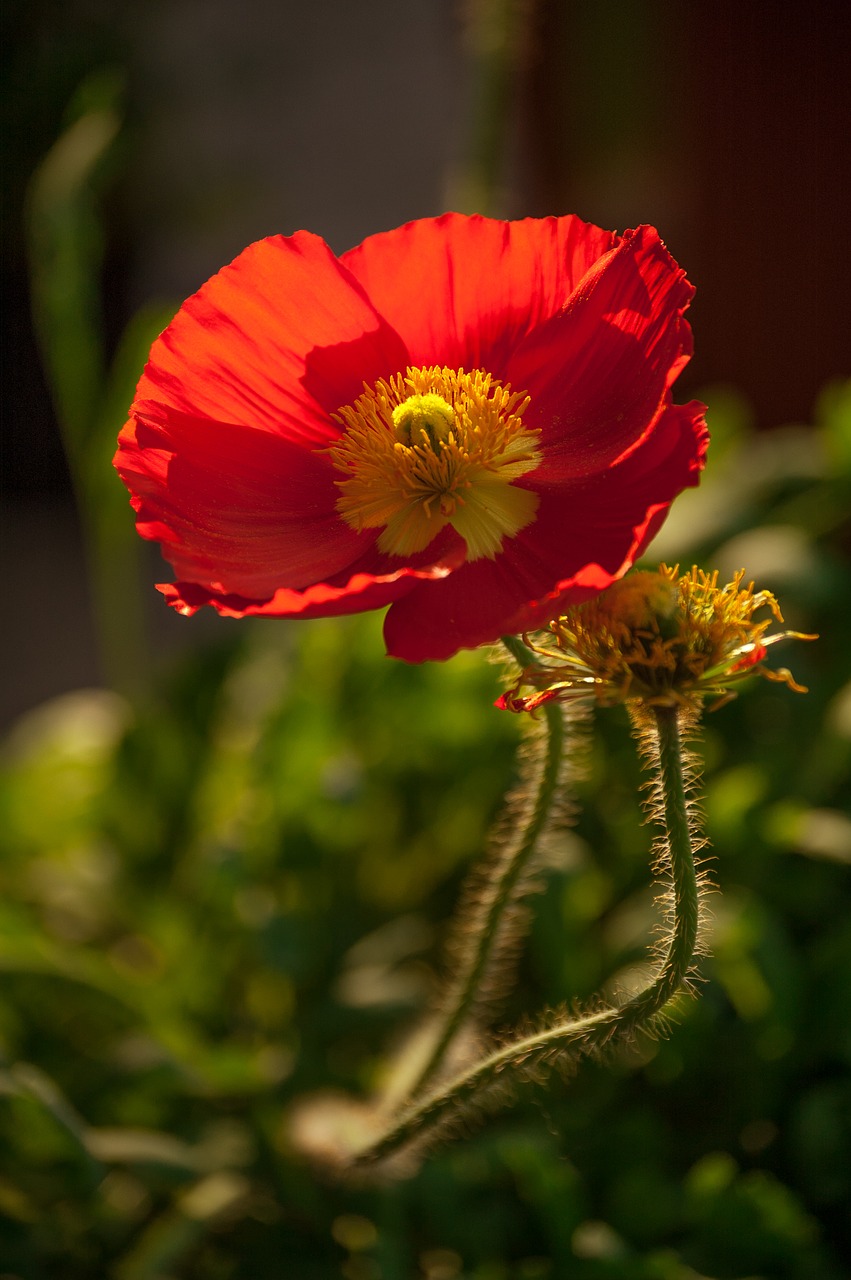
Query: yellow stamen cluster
[(435, 447), (658, 637)]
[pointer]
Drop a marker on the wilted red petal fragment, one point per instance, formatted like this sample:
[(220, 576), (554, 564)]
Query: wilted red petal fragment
[(316, 436)]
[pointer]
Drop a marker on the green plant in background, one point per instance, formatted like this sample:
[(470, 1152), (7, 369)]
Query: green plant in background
[(90, 395)]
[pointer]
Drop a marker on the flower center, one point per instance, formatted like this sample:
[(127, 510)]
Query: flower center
[(432, 447)]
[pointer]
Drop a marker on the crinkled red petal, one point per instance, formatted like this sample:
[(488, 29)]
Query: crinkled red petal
[(598, 373), (276, 340), (585, 535), (464, 291), (360, 593), (240, 509)]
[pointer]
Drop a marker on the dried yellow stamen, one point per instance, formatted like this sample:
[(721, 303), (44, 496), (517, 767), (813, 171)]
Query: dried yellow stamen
[(660, 638), (432, 447)]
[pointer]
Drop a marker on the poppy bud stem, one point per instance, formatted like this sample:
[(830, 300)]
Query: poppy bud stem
[(486, 928), (566, 1041)]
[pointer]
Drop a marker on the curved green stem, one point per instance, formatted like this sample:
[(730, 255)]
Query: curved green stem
[(583, 1036), (484, 928), (678, 832)]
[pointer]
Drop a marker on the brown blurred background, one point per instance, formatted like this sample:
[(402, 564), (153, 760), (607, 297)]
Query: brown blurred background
[(727, 125)]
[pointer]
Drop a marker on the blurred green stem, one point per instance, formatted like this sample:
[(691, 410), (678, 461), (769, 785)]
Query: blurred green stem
[(580, 1037), (483, 932), (65, 243), (495, 36)]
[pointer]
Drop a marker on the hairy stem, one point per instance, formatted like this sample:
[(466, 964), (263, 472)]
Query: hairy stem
[(668, 755), (483, 932), (580, 1037)]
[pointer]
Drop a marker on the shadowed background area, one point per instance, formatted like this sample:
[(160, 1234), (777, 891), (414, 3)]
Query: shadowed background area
[(233, 849)]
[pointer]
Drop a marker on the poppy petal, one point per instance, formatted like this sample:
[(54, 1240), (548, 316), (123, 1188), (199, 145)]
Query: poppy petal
[(598, 372), (463, 291), (238, 350), (233, 506), (362, 591)]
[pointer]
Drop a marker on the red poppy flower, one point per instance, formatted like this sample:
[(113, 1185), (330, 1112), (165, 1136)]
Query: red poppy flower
[(468, 420)]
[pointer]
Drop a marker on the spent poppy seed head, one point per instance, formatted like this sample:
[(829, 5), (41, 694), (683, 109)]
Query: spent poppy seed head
[(657, 638), (470, 421)]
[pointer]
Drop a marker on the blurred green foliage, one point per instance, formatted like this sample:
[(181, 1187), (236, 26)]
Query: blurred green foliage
[(225, 896), (65, 244)]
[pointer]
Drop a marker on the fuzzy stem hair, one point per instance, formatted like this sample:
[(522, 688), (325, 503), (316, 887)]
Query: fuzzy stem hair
[(489, 921), (566, 1041)]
